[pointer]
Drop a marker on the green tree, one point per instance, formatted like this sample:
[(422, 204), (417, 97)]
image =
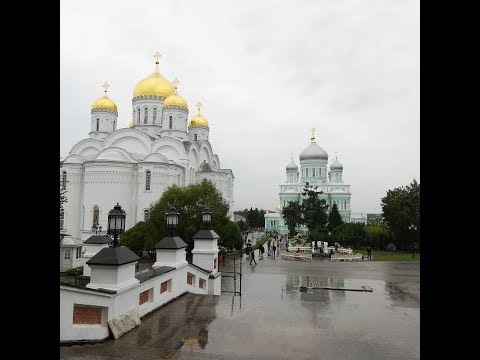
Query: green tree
[(401, 210), (350, 234), (334, 218), (314, 209), (242, 225), (189, 202), (136, 237), (292, 213)]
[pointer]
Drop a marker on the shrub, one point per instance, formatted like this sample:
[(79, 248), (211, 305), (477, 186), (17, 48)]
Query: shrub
[(75, 271)]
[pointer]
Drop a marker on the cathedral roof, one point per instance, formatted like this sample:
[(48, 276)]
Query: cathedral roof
[(313, 152), (104, 102), (206, 167), (175, 99), (155, 85), (336, 165), (291, 166), (199, 119)]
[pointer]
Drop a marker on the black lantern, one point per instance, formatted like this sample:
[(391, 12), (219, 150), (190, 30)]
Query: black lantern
[(172, 219), (116, 223), (206, 217)]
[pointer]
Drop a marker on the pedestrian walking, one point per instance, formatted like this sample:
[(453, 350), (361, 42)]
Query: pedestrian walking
[(261, 250), (252, 257), (369, 252), (274, 248)]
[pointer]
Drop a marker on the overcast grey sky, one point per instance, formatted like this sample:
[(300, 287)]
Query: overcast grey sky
[(267, 72)]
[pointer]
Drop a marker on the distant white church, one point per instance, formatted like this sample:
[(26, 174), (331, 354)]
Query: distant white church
[(133, 166)]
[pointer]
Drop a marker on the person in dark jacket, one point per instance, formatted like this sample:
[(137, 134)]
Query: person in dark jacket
[(252, 257)]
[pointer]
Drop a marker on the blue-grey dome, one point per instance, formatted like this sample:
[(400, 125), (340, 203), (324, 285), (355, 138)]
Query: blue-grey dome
[(291, 166), (336, 165), (313, 152)]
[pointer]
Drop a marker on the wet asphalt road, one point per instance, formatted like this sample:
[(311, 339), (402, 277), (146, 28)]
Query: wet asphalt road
[(268, 322)]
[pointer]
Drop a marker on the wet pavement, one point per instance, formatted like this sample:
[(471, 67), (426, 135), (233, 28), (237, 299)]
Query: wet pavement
[(269, 322)]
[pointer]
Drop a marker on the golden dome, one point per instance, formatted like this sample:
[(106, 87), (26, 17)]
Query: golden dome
[(198, 120), (154, 84), (175, 99), (104, 102)]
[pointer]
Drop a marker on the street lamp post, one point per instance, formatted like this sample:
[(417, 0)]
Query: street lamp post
[(116, 223)]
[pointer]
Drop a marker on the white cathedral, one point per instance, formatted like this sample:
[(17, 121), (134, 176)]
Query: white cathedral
[(133, 166)]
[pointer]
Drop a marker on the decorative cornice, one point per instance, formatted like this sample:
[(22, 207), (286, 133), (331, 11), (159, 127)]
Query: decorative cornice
[(175, 107), (148, 97), (103, 110)]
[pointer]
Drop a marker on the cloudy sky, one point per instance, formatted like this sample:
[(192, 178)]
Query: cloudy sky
[(267, 72)]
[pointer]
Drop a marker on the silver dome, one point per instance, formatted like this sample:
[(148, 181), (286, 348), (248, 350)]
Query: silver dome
[(313, 152), (336, 165), (292, 166)]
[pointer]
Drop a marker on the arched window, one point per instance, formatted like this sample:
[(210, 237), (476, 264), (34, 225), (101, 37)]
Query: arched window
[(96, 213), (114, 124), (170, 123), (98, 124), (145, 117), (195, 137), (313, 172), (154, 115), (306, 172), (61, 218), (138, 116), (148, 176), (146, 214)]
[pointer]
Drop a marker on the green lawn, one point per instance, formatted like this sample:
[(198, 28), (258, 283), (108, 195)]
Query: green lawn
[(379, 255)]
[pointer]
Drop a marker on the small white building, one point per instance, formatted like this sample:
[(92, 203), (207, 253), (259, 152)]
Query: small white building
[(70, 253)]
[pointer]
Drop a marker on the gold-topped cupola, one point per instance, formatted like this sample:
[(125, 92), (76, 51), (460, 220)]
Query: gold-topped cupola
[(104, 102), (175, 99), (155, 84)]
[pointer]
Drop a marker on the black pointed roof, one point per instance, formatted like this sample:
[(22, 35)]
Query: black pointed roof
[(113, 256), (98, 239), (206, 234), (171, 243)]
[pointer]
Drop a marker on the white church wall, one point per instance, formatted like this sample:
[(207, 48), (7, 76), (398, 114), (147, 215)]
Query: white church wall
[(70, 296), (73, 207), (106, 184)]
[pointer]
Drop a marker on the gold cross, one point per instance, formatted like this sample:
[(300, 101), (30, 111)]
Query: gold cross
[(291, 156), (199, 105), (336, 153), (105, 86), (313, 135), (157, 56), (175, 82)]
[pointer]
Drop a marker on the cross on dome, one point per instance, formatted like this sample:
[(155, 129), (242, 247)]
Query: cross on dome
[(336, 155), (313, 135), (105, 86), (175, 82), (157, 56), (198, 105)]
